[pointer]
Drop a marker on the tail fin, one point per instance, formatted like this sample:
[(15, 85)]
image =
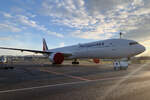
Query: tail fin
[(45, 48)]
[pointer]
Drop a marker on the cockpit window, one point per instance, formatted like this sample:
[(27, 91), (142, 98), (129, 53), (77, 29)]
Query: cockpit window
[(133, 43)]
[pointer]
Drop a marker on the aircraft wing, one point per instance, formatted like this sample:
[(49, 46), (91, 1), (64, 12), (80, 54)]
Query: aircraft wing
[(28, 50), (35, 51)]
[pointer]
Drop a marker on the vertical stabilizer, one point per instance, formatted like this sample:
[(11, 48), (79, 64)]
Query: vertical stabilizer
[(45, 48)]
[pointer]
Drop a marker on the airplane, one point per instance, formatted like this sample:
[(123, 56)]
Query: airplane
[(116, 49)]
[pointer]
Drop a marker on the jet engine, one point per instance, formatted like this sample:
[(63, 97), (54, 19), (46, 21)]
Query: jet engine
[(96, 60), (56, 58)]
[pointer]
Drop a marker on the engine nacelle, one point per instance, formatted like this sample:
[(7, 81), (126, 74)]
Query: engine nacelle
[(96, 60), (56, 58)]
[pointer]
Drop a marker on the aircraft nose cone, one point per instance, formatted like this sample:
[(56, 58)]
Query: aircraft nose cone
[(142, 48)]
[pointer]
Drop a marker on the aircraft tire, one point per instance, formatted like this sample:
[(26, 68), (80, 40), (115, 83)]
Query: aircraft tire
[(74, 63), (77, 62)]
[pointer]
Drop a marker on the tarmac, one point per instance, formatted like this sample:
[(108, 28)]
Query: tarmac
[(75, 82)]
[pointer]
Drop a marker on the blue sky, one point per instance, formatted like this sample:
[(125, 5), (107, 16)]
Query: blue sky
[(23, 23)]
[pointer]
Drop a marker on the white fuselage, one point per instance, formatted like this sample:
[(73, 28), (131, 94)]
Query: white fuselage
[(109, 49)]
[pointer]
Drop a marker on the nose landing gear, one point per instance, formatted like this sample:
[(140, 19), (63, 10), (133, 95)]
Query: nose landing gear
[(75, 62), (120, 65)]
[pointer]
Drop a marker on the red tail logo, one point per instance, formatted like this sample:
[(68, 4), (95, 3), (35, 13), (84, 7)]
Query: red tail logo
[(45, 48)]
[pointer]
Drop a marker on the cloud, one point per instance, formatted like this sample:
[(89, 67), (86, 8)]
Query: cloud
[(6, 15), (96, 35), (17, 23), (31, 23), (91, 18), (54, 33), (62, 44), (67, 12), (26, 21), (88, 16), (5, 38), (9, 27)]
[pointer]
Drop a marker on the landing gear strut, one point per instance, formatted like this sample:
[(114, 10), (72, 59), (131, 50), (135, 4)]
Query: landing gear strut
[(75, 62), (120, 65)]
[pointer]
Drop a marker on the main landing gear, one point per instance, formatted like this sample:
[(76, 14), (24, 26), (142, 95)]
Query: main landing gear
[(75, 62)]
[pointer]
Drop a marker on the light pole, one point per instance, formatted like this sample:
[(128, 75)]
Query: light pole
[(120, 35)]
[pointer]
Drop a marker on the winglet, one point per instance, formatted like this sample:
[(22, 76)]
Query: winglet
[(45, 47)]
